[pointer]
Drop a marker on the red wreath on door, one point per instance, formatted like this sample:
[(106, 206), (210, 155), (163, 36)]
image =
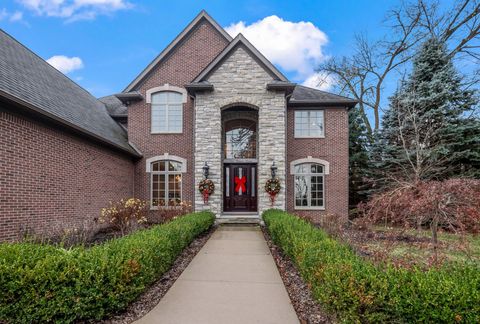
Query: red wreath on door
[(240, 184)]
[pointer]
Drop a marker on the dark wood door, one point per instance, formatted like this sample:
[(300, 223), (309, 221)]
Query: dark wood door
[(240, 188)]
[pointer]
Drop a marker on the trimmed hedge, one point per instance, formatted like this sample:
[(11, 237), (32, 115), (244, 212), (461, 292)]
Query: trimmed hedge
[(40, 283), (360, 291)]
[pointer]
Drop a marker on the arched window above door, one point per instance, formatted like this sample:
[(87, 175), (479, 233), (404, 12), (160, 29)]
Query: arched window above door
[(240, 139)]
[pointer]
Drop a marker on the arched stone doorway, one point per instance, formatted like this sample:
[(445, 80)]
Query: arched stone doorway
[(239, 159)]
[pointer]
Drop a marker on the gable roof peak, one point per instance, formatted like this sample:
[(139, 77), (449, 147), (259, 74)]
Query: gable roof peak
[(239, 40), (202, 15)]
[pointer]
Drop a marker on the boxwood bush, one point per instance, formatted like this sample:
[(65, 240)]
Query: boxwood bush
[(40, 283), (360, 291)]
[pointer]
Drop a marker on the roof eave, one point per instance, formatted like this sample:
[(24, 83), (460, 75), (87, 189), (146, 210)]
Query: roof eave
[(283, 86), (326, 103), (128, 97), (196, 87), (73, 127)]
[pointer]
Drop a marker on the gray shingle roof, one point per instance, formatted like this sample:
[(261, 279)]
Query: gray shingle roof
[(30, 80), (304, 95), (114, 106)]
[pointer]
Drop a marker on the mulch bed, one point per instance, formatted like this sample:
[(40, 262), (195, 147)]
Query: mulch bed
[(307, 308), (152, 296)]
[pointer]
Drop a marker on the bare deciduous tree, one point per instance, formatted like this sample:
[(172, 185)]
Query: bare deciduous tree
[(363, 74)]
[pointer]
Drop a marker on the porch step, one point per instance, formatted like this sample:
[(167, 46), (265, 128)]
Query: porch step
[(243, 219)]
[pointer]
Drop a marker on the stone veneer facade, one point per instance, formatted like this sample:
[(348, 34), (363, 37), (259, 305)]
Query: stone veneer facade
[(240, 81)]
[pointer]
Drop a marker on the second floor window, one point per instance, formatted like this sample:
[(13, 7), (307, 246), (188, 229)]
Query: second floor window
[(167, 112), (309, 123)]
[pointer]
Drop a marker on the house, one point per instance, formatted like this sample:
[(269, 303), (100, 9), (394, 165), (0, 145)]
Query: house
[(206, 100)]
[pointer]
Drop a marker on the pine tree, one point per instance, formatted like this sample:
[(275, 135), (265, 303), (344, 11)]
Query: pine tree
[(426, 131), (359, 166), (387, 153)]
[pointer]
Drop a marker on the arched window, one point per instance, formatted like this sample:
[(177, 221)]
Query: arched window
[(165, 180), (167, 112), (240, 139), (309, 185)]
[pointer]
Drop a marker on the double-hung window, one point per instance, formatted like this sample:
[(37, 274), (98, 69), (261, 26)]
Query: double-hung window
[(167, 112), (309, 186), (309, 123)]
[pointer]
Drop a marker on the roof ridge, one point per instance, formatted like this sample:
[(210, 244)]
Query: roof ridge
[(171, 46), (51, 66)]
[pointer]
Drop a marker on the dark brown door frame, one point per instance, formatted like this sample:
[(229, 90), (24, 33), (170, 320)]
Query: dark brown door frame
[(248, 201)]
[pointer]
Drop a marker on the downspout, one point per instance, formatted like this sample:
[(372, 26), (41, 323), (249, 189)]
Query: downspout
[(286, 149), (193, 147)]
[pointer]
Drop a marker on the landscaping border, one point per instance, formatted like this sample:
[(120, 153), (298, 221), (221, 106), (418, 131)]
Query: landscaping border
[(45, 283), (307, 308), (357, 290), (152, 296)]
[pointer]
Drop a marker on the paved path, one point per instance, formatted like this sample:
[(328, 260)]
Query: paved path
[(233, 279)]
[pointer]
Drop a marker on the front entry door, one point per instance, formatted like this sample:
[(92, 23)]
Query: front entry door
[(240, 188)]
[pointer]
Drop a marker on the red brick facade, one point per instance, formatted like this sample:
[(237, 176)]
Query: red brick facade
[(202, 45), (333, 149), (51, 178)]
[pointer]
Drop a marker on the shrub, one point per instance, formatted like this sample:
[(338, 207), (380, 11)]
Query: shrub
[(453, 205), (42, 283), (124, 214), (165, 214), (360, 291), (59, 234)]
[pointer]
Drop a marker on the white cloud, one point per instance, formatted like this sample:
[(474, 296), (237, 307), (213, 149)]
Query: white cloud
[(319, 81), (16, 16), (73, 10), (12, 17), (65, 64), (294, 46), (3, 14)]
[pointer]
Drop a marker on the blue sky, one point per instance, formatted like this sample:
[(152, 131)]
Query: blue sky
[(104, 44)]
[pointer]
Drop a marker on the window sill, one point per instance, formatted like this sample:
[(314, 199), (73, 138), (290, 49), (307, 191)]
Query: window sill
[(308, 137), (165, 207), (165, 133), (309, 208)]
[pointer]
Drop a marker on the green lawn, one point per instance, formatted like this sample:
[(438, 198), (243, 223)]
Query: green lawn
[(452, 247)]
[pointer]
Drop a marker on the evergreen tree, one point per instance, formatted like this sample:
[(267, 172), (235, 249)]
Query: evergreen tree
[(359, 166), (387, 153), (426, 132)]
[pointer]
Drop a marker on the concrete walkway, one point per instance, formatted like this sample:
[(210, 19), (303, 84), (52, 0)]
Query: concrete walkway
[(233, 279)]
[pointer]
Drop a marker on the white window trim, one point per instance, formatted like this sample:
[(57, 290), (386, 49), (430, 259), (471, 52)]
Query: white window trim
[(308, 136), (164, 157), (326, 170), (310, 159), (165, 88)]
